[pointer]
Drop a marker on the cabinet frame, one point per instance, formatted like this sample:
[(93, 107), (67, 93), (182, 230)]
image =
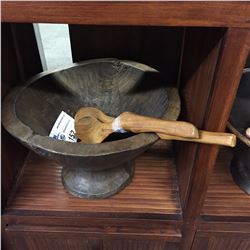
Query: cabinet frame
[(215, 101)]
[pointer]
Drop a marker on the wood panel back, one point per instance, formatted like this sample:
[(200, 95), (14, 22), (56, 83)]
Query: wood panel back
[(20, 60), (158, 47), (26, 48)]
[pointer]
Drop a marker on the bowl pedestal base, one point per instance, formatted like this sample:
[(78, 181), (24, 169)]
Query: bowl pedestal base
[(97, 184)]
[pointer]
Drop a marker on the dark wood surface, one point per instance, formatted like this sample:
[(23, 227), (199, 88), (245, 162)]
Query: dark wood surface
[(226, 81), (152, 193), (227, 78), (223, 226), (42, 215), (26, 50), (140, 44), (68, 241), (202, 49), (20, 54), (200, 56), (224, 199), (221, 240), (15, 70), (93, 226), (220, 235), (10, 69), (235, 14), (10, 165)]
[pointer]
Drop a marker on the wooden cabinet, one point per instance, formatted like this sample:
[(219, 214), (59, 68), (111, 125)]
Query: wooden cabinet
[(199, 47)]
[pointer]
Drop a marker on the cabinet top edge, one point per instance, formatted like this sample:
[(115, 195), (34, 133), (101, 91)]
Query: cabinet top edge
[(155, 13)]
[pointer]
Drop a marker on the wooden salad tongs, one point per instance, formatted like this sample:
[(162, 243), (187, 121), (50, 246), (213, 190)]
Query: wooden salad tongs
[(93, 126)]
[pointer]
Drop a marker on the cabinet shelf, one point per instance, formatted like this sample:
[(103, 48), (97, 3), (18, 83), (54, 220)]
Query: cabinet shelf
[(153, 192), (224, 199)]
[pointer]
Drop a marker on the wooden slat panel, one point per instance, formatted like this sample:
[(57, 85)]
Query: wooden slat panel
[(37, 240), (224, 226), (138, 245), (57, 241), (130, 13), (153, 191), (221, 240), (224, 198)]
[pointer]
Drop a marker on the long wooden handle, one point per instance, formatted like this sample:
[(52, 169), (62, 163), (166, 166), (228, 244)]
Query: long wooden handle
[(138, 123), (225, 139)]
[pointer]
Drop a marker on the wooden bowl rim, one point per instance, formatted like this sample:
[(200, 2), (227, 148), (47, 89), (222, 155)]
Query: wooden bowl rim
[(45, 143)]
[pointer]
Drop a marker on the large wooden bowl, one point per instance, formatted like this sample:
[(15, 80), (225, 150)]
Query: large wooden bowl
[(114, 86)]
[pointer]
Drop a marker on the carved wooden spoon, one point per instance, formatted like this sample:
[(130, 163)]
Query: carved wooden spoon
[(93, 126)]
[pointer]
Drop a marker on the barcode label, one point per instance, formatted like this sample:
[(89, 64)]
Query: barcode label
[(64, 128)]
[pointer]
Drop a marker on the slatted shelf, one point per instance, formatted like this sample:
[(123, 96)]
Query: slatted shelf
[(153, 192), (224, 199)]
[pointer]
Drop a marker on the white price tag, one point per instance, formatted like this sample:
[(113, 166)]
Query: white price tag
[(64, 128)]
